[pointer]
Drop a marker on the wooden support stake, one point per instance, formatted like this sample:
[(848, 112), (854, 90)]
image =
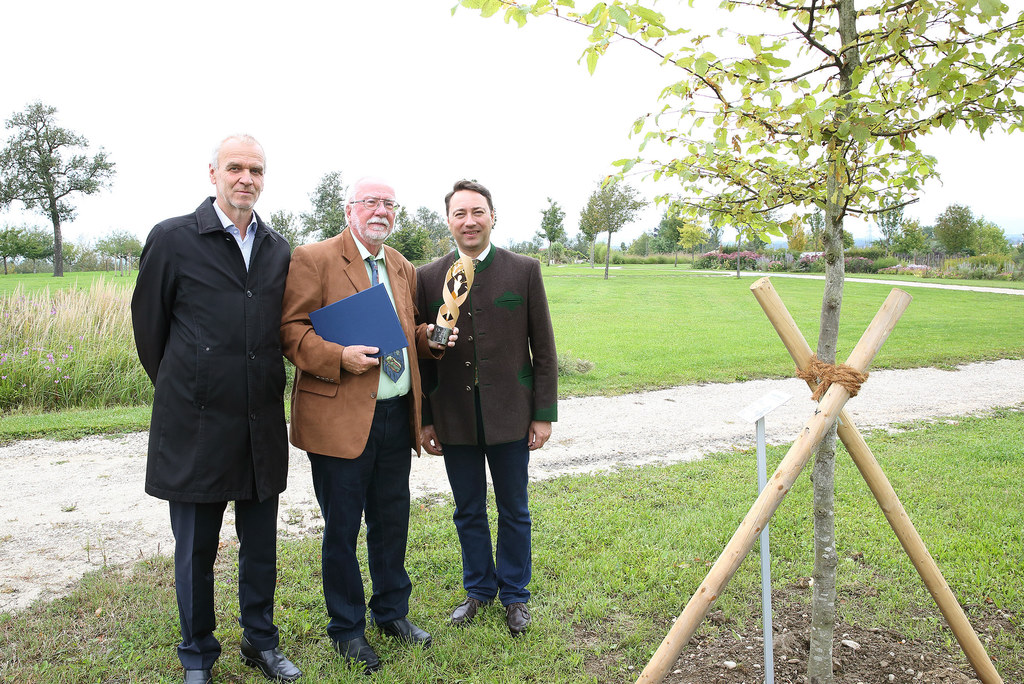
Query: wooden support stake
[(771, 496), (886, 496)]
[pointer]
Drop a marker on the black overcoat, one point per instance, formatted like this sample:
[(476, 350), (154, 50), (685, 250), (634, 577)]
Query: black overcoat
[(207, 333)]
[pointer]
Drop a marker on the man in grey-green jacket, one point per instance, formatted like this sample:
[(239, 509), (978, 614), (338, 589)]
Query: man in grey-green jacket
[(490, 400)]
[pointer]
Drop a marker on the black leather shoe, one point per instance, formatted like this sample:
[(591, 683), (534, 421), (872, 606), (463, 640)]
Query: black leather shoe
[(403, 630), (271, 663), (467, 610), (358, 650), (517, 617), (198, 677)]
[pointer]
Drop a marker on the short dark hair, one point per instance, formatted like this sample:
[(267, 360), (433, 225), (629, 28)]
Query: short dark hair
[(472, 186)]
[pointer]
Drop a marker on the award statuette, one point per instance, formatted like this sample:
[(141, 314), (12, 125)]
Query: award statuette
[(456, 288)]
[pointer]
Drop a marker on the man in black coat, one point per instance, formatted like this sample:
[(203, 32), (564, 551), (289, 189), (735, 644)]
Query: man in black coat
[(206, 313)]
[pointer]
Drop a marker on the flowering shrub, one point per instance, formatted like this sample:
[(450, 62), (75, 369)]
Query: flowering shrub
[(858, 265)]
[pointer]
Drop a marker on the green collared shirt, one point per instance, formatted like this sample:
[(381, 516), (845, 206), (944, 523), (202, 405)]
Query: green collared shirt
[(386, 389)]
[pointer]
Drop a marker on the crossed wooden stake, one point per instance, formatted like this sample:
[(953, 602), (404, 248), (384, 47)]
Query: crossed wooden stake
[(828, 410)]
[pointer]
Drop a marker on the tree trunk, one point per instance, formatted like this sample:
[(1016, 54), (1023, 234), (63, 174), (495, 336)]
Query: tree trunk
[(823, 595), (592, 243), (608, 255), (5, 265), (58, 242)]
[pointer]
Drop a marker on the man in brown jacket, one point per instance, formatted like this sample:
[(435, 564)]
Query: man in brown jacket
[(490, 400), (358, 418)]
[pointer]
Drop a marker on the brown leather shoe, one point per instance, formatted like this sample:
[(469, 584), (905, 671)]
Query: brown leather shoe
[(467, 610), (517, 617)]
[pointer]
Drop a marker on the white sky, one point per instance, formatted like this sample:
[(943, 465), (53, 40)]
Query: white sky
[(395, 88)]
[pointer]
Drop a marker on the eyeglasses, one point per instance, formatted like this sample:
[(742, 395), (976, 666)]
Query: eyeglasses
[(372, 203)]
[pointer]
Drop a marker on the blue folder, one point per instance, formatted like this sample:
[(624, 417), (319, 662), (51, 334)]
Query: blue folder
[(366, 318)]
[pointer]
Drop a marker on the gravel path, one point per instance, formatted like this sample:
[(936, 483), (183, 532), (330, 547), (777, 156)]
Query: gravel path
[(70, 507)]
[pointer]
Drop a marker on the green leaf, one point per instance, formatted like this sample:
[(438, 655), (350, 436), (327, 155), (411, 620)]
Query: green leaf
[(490, 7), (700, 67), (618, 15), (592, 57)]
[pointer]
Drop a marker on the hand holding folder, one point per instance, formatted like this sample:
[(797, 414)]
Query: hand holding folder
[(366, 318)]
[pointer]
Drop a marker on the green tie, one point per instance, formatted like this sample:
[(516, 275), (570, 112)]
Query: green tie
[(391, 363)]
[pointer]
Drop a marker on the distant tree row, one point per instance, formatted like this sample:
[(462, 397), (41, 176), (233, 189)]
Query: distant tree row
[(29, 249)]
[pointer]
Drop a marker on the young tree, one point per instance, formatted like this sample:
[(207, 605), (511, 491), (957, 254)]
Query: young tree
[(43, 165), (289, 226), (613, 205), (590, 226), (814, 111), (12, 243), (551, 228), (692, 234), (797, 240), (954, 229), (327, 218)]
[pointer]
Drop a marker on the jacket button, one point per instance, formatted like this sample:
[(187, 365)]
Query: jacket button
[(468, 388), (252, 416), (248, 293), (252, 355), (469, 339), (468, 364)]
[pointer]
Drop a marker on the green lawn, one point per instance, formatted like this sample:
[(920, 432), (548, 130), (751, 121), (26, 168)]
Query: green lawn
[(616, 557), (645, 329), (35, 282)]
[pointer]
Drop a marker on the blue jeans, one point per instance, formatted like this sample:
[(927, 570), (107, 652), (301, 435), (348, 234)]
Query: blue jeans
[(507, 572)]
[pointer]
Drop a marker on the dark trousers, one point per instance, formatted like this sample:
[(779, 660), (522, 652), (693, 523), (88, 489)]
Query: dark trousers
[(196, 528), (507, 573), (377, 483)]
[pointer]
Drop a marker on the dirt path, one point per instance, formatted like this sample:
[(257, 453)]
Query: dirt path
[(69, 507)]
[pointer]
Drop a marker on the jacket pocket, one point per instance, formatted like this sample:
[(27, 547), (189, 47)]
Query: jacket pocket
[(314, 385)]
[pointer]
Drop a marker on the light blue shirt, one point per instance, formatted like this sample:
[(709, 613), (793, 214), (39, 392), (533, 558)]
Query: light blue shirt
[(244, 244), (386, 389)]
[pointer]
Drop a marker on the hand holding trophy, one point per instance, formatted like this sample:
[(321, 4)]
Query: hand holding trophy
[(456, 288)]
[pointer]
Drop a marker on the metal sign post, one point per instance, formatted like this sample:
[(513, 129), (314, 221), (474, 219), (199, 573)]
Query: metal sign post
[(755, 413)]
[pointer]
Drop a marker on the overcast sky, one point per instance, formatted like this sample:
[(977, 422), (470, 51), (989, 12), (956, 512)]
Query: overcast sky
[(395, 88)]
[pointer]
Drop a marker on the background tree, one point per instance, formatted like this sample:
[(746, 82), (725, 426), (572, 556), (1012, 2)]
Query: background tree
[(437, 231), (816, 222), (551, 228), (797, 239), (121, 246), (692, 234), (641, 246), (613, 205), (327, 218), (289, 226), (911, 238), (954, 229), (989, 238), (666, 238), (889, 222), (34, 171), (12, 243), (37, 245), (409, 237), (811, 111), (590, 225)]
